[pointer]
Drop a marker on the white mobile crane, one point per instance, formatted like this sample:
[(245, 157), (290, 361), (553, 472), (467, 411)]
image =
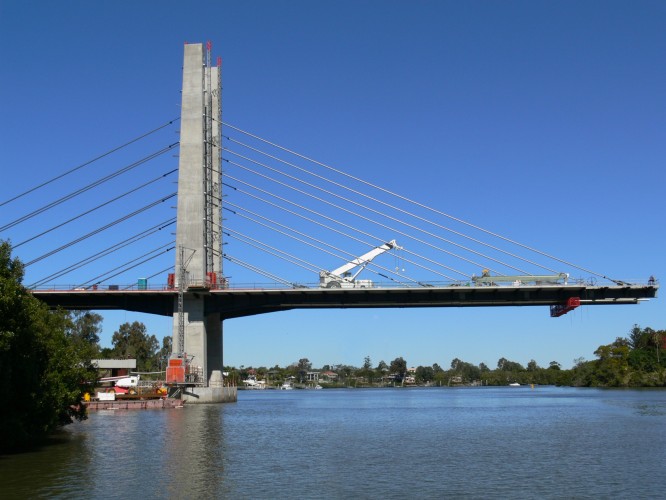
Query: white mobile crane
[(342, 277)]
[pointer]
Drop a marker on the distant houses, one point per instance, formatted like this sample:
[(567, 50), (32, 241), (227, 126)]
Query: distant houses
[(328, 376)]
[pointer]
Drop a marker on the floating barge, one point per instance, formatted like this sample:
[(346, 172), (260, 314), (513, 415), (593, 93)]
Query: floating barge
[(134, 404), (112, 401)]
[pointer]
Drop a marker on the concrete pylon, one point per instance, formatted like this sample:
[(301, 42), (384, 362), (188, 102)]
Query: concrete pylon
[(198, 226)]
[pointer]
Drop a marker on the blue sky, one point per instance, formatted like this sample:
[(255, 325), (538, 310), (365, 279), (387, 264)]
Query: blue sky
[(541, 121)]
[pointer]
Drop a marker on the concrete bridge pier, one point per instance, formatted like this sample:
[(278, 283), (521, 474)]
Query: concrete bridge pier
[(206, 336), (203, 347), (205, 340), (197, 333)]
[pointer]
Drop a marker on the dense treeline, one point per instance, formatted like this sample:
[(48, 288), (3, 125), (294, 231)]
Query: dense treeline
[(44, 365), (634, 361), (638, 360)]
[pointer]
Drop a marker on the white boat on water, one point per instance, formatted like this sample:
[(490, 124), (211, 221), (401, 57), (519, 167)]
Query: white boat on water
[(514, 384), (252, 383), (286, 386)]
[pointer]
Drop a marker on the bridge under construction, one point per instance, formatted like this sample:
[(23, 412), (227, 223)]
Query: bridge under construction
[(200, 296), (235, 303)]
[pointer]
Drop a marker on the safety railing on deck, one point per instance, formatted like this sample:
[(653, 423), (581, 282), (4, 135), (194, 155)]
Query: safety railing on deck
[(588, 282)]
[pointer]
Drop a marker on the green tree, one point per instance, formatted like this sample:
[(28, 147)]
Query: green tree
[(381, 370), (440, 375), (85, 329), (367, 371), (165, 352), (399, 368), (580, 361), (504, 364), (467, 372), (132, 341), (424, 374), (43, 372), (640, 338), (304, 366), (455, 362), (612, 367), (658, 339)]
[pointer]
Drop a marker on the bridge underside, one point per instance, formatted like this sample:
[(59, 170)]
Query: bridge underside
[(238, 303)]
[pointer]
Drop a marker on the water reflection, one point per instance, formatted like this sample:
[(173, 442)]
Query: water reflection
[(151, 453), (432, 443), (195, 452), (46, 471)]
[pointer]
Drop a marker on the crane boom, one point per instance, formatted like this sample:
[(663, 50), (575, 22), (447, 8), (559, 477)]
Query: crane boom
[(341, 277)]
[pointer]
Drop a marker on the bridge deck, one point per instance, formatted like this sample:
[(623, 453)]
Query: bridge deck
[(232, 303)]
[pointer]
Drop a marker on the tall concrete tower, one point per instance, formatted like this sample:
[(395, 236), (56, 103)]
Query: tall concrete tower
[(197, 333)]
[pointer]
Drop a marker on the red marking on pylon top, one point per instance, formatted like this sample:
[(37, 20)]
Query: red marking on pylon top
[(219, 62), (209, 45)]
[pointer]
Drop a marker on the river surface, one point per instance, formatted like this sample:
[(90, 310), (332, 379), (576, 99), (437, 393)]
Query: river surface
[(482, 442)]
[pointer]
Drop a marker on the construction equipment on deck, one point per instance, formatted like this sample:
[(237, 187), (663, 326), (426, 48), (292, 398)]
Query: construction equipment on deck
[(342, 277), (523, 279)]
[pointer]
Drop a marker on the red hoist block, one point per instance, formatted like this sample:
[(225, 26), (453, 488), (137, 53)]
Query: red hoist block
[(561, 309)]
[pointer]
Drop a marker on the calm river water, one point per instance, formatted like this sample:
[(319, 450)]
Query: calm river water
[(362, 443)]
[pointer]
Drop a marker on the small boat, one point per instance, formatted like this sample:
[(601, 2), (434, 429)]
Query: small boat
[(286, 386), (252, 383), (514, 384)]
